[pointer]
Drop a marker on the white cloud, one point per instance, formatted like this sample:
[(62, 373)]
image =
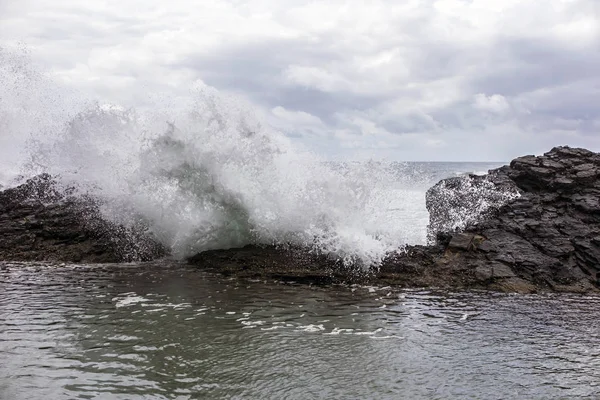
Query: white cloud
[(317, 78), (419, 76), (296, 117), (495, 103)]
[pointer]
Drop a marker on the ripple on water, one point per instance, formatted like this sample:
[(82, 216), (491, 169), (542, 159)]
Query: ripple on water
[(166, 331)]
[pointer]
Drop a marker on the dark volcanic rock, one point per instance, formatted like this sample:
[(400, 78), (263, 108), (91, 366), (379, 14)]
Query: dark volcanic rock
[(549, 237), (281, 263), (415, 267), (38, 222)]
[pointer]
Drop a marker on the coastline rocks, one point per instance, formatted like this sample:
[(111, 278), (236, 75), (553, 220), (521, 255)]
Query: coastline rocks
[(38, 222), (547, 238), (531, 226)]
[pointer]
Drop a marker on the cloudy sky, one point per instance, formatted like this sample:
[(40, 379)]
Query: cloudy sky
[(404, 80)]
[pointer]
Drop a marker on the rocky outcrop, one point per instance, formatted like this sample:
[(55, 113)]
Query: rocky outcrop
[(546, 238), (530, 226), (39, 222)]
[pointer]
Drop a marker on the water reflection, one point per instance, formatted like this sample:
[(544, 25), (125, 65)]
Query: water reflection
[(167, 331)]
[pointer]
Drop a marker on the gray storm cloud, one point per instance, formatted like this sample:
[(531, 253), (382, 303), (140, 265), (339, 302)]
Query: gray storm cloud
[(428, 80)]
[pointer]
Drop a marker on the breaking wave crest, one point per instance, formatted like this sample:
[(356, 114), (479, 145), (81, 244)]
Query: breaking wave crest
[(206, 174)]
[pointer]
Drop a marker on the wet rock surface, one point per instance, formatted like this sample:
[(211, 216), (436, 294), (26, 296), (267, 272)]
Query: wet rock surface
[(38, 222), (457, 202), (547, 238), (533, 225)]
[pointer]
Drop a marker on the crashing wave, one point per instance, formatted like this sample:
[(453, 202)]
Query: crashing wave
[(458, 202), (205, 174)]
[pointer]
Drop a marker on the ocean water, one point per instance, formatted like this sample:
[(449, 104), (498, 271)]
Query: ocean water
[(167, 331)]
